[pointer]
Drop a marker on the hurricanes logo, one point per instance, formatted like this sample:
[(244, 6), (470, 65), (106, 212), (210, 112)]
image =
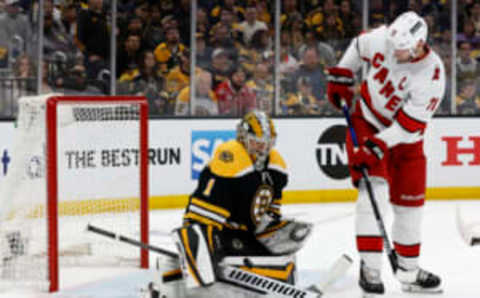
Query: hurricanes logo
[(261, 201), (332, 152)]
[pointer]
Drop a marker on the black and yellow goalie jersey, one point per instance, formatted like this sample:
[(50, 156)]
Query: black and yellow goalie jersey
[(232, 194)]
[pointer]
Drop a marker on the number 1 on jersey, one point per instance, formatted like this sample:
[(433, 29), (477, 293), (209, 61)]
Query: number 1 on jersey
[(209, 187)]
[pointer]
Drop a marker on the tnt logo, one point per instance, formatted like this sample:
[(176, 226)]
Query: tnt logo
[(454, 151), (332, 152), (204, 143), (5, 160)]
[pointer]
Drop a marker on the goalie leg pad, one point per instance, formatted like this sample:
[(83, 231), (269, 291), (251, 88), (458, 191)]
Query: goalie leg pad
[(285, 237), (281, 268), (196, 260), (264, 285)]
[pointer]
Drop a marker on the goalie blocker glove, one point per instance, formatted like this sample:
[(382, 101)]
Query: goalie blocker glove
[(339, 86), (369, 153)]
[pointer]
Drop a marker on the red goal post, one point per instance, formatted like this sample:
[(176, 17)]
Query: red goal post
[(52, 174)]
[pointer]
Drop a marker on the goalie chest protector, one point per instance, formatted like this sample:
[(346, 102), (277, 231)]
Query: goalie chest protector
[(231, 193)]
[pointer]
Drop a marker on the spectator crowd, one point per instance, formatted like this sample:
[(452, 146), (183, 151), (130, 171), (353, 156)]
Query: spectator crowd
[(235, 50)]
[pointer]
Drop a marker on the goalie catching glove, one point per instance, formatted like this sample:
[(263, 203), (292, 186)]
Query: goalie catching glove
[(282, 237), (369, 154), (340, 82)]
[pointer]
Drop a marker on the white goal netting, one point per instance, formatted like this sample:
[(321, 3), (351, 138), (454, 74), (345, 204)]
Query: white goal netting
[(97, 180)]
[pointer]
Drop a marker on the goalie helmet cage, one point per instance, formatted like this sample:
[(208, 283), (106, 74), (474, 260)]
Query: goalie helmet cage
[(64, 118)]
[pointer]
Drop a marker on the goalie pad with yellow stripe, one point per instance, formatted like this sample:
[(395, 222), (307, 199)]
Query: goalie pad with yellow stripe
[(281, 268), (195, 251), (239, 276)]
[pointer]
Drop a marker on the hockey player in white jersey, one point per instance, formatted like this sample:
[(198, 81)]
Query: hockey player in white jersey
[(403, 87)]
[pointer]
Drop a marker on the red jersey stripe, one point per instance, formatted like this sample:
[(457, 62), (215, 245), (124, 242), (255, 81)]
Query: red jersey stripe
[(410, 124)]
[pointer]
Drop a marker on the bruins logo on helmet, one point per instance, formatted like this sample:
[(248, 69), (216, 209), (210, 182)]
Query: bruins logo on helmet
[(226, 156)]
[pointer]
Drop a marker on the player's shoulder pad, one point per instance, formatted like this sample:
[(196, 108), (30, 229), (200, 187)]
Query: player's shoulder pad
[(430, 76), (276, 162), (231, 160), (437, 66), (368, 42)]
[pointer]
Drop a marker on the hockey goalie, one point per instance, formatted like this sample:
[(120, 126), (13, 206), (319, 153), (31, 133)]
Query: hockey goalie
[(233, 220)]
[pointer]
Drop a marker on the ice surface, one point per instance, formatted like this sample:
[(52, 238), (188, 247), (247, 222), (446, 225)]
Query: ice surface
[(443, 252)]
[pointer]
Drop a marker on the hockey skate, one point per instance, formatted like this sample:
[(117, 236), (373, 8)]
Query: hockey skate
[(419, 281), (370, 281)]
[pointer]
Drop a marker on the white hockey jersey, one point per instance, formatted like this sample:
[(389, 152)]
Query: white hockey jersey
[(399, 99)]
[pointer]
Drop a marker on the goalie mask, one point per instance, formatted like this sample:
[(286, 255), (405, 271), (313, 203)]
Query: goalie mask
[(406, 31), (257, 134)]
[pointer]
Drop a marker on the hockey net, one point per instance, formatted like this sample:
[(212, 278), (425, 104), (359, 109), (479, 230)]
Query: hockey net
[(75, 161)]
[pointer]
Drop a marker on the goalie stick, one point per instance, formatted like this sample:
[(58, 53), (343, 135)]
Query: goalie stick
[(242, 278), (467, 230), (337, 270)]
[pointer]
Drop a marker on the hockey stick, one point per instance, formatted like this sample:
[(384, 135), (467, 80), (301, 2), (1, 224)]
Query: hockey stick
[(336, 271), (466, 230), (131, 241), (243, 278), (392, 254)]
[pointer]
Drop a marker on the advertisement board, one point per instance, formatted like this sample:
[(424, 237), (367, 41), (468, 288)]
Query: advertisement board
[(453, 152), (314, 150)]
